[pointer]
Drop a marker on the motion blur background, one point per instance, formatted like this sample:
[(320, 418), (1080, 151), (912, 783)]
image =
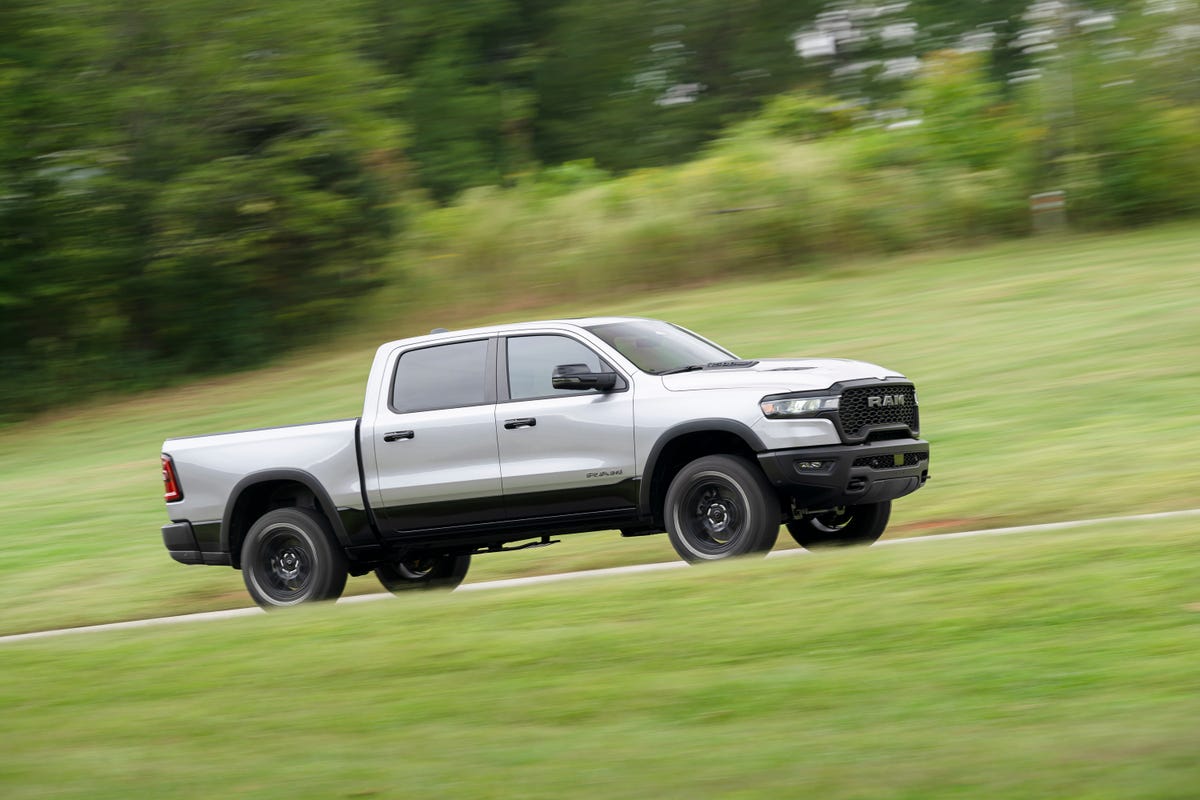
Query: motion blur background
[(191, 186), (213, 211)]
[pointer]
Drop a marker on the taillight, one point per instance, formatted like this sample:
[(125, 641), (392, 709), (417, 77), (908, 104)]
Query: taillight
[(171, 490)]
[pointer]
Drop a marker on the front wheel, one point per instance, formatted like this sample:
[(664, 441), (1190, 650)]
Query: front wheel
[(418, 572), (720, 506), (290, 557), (841, 527)]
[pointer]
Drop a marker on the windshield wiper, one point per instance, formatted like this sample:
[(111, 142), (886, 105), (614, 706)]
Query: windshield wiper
[(709, 365), (677, 370)]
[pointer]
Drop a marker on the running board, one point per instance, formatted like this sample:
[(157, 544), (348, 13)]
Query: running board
[(545, 542)]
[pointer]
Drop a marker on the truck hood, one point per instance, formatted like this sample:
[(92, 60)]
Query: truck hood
[(778, 374)]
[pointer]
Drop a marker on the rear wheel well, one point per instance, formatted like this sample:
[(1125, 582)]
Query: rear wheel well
[(258, 499), (685, 449)]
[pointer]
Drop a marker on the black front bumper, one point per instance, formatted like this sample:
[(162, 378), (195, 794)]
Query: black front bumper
[(847, 475)]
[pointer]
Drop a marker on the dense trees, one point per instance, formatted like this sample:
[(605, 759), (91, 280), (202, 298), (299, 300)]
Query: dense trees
[(184, 185), (189, 185)]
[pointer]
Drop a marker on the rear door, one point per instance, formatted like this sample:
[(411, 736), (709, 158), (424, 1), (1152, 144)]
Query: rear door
[(562, 451), (434, 440)]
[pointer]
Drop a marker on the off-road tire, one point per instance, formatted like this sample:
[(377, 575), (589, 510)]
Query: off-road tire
[(842, 527), (290, 557), (718, 507), (423, 572)]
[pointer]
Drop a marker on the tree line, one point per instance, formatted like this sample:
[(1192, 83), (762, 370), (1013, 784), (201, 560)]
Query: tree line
[(191, 185)]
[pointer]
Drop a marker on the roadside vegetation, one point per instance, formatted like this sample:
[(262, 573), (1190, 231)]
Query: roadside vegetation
[(1032, 665), (797, 187), (192, 188), (1057, 378)]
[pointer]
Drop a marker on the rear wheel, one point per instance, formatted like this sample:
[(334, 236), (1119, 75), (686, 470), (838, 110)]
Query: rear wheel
[(842, 527), (417, 572), (720, 506), (289, 557)]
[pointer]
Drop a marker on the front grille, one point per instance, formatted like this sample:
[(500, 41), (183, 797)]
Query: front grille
[(889, 461), (864, 409)]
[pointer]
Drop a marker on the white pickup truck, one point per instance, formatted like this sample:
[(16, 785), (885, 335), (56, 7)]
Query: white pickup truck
[(500, 438)]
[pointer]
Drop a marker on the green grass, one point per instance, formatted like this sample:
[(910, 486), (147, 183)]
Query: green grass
[(1031, 665), (1058, 380)]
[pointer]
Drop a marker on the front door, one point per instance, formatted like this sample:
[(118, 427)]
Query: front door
[(562, 451)]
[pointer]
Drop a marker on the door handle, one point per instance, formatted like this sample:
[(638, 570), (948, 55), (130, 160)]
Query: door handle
[(522, 422), (396, 435)]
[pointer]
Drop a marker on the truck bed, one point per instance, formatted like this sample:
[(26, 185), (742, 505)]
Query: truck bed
[(211, 467)]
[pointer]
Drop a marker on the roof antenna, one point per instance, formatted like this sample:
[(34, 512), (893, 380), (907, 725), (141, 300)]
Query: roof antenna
[(439, 330)]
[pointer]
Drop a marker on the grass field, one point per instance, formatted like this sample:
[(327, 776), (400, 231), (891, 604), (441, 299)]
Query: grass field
[(1058, 380), (1031, 665)]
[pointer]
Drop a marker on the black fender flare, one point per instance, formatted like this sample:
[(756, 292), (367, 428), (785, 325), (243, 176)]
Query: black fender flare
[(739, 429), (306, 479)]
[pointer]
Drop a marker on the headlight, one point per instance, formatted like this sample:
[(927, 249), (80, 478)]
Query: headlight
[(784, 407)]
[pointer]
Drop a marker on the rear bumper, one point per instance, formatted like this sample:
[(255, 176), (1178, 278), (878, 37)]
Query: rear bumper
[(180, 540), (826, 477)]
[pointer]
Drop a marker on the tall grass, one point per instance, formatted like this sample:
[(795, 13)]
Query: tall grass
[(752, 205)]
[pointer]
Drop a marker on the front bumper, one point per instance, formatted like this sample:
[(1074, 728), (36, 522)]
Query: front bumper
[(846, 475)]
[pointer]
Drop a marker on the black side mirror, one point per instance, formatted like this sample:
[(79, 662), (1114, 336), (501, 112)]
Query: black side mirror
[(579, 377)]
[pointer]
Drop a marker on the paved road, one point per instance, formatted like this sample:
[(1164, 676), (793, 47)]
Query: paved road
[(592, 573)]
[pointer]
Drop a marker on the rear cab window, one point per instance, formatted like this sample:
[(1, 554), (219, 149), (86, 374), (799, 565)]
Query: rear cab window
[(452, 375)]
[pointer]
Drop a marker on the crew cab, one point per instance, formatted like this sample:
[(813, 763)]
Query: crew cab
[(500, 438)]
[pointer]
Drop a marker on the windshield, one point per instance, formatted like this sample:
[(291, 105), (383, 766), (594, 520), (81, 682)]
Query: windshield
[(658, 347)]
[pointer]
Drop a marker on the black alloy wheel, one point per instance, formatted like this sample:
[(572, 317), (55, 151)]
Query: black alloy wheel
[(289, 557), (842, 527), (718, 507), (422, 572)]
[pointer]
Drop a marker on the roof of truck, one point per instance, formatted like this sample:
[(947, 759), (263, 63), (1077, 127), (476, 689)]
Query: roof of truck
[(508, 327)]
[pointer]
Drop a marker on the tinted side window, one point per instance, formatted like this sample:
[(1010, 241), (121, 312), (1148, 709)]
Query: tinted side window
[(531, 363), (444, 376)]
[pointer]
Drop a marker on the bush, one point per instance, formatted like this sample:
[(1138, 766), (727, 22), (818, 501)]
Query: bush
[(752, 205)]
